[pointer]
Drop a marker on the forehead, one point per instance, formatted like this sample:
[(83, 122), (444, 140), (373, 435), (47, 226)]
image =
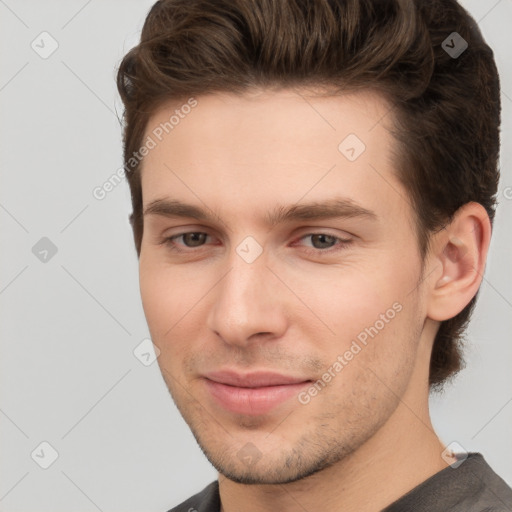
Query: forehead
[(264, 147), (279, 116)]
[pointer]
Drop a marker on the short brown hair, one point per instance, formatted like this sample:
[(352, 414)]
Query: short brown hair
[(446, 108)]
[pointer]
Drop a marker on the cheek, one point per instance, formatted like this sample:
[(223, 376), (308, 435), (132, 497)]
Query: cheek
[(373, 370), (167, 295), (348, 299)]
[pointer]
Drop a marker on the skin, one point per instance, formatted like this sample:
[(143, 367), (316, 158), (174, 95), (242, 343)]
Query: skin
[(366, 438)]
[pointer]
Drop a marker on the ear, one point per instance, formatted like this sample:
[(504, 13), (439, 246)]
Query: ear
[(457, 261)]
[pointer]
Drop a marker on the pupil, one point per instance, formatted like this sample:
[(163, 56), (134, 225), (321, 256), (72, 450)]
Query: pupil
[(322, 238), (191, 236)]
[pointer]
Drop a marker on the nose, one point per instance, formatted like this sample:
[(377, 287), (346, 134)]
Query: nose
[(247, 303)]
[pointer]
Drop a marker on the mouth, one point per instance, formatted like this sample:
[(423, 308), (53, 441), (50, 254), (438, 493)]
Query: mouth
[(252, 394)]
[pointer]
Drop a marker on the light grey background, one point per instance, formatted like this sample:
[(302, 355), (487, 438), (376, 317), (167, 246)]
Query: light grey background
[(69, 325)]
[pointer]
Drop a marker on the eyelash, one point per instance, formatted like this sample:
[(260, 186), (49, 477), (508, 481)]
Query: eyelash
[(342, 243)]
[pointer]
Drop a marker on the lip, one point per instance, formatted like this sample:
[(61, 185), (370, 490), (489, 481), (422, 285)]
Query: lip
[(254, 393), (253, 379)]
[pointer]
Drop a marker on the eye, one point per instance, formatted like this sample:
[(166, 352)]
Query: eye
[(324, 242), (320, 242), (191, 239)]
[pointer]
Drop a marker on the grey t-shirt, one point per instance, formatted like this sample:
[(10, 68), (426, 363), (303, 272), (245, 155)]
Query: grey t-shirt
[(471, 487)]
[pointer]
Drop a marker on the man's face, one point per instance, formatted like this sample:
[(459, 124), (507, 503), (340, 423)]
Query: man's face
[(332, 303)]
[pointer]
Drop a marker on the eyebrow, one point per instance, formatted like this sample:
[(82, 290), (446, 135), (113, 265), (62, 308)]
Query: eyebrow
[(327, 209)]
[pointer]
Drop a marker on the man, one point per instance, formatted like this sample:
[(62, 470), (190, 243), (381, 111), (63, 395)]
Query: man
[(313, 188)]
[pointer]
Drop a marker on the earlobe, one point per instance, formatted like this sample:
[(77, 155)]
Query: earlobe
[(459, 252)]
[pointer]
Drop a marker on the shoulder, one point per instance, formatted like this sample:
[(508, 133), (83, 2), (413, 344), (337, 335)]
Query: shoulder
[(491, 492), (208, 500), (470, 486)]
